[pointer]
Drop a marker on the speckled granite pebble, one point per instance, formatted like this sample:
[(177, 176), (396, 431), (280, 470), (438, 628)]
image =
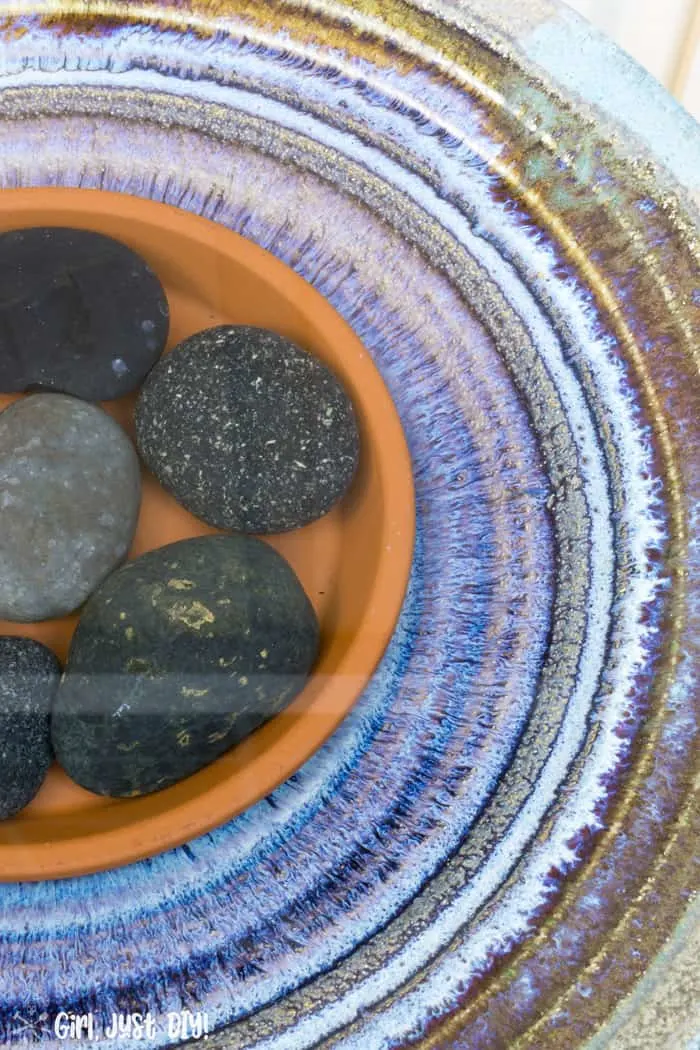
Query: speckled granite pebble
[(70, 490), (79, 313), (179, 655), (247, 431), (29, 677)]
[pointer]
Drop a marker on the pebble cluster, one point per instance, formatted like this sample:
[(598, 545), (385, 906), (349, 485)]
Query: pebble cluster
[(183, 651)]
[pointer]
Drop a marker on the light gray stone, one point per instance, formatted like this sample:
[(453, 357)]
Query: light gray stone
[(70, 491)]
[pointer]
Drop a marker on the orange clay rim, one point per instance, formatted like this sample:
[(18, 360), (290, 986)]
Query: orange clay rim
[(376, 523)]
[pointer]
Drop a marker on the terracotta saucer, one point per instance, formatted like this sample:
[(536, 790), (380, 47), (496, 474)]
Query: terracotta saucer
[(354, 563)]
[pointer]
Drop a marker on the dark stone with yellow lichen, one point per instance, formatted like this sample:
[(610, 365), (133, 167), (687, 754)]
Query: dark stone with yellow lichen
[(178, 656)]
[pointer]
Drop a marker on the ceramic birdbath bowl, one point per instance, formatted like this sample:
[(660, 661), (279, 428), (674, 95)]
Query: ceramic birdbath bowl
[(488, 837)]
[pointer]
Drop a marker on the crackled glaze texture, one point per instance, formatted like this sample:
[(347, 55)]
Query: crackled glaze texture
[(497, 842)]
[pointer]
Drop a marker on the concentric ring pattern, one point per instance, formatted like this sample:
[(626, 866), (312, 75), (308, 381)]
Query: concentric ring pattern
[(498, 840)]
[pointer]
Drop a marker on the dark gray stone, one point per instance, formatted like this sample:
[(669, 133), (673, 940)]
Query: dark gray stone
[(180, 654), (247, 431), (79, 313), (29, 677), (70, 489)]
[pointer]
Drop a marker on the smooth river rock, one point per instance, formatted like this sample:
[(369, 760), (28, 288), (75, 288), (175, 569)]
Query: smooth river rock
[(29, 677), (181, 653), (80, 313), (70, 490), (247, 431)]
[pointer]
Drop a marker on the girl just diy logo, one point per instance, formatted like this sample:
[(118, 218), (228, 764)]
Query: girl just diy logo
[(181, 1024), (71, 1028)]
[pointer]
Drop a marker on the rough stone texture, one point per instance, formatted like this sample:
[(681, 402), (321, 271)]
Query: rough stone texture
[(70, 490), (79, 313), (181, 654), (247, 431), (29, 677)]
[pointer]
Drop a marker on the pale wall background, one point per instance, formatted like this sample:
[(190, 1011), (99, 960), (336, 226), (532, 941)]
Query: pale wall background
[(663, 35)]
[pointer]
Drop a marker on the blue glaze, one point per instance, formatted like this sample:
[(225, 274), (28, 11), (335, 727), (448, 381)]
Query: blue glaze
[(376, 840)]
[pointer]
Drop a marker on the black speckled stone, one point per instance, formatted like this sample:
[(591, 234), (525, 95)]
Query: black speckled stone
[(70, 491), (80, 313), (180, 654), (29, 677), (247, 431)]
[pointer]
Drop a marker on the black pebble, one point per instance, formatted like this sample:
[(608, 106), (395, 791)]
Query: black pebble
[(80, 313), (247, 431), (177, 657), (29, 677)]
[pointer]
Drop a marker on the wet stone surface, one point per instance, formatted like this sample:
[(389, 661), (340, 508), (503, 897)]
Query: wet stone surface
[(70, 490), (29, 677), (248, 431), (80, 313), (180, 655)]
